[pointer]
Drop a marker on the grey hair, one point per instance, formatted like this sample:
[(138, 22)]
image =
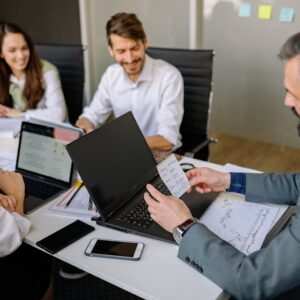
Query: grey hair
[(291, 48)]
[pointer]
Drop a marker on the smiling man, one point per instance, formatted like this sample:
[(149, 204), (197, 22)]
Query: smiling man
[(152, 89)]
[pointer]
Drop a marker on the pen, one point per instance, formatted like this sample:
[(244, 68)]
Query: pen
[(73, 196), (90, 204)]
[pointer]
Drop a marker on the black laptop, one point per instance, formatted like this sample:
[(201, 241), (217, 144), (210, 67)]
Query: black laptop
[(115, 163), (43, 161)]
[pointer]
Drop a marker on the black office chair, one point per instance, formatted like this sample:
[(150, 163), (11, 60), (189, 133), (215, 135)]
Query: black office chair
[(196, 67), (69, 61)]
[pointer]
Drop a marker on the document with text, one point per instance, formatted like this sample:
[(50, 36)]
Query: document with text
[(173, 176), (242, 224)]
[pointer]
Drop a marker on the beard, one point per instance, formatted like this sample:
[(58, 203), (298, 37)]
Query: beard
[(137, 70), (297, 115)]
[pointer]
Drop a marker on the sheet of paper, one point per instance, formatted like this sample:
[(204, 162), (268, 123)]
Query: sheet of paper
[(7, 160), (242, 224), (80, 207), (237, 169), (10, 126), (173, 176)]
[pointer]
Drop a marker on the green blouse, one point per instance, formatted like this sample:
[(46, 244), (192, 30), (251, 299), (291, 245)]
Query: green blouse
[(16, 91)]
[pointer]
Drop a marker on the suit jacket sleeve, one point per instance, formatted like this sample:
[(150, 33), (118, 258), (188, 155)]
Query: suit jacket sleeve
[(274, 188), (263, 274)]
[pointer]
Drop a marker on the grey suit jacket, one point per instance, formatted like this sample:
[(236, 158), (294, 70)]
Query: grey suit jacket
[(264, 274)]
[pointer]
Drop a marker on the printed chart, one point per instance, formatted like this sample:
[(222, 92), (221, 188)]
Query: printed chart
[(242, 224)]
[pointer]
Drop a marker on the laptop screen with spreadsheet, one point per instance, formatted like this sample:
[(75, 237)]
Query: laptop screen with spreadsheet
[(42, 151)]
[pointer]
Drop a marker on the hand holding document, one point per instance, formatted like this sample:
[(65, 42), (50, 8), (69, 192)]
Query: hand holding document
[(75, 202), (173, 176)]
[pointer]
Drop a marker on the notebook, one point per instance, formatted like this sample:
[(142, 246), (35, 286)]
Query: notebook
[(115, 163), (43, 161)]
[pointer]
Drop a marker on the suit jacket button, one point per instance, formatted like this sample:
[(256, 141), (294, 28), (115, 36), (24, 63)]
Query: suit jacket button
[(199, 268), (193, 264), (187, 259)]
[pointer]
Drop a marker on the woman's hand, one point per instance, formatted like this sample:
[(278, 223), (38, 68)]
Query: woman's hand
[(12, 184), (8, 202), (9, 112)]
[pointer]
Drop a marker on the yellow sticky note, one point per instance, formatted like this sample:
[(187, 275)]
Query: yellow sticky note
[(265, 12)]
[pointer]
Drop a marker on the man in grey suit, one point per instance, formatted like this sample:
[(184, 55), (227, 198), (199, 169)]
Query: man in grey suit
[(275, 269)]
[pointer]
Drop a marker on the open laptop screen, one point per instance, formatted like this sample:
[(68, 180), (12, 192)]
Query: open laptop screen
[(114, 162), (42, 151)]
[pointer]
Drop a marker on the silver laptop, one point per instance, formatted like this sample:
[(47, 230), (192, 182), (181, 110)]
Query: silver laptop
[(43, 161)]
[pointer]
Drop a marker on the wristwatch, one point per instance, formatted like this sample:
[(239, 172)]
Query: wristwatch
[(180, 230)]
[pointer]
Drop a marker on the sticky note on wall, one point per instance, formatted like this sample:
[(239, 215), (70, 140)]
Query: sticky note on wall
[(265, 12), (286, 14), (245, 10)]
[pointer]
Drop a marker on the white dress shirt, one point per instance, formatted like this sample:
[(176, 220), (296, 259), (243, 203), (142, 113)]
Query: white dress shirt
[(156, 100), (13, 228), (52, 106)]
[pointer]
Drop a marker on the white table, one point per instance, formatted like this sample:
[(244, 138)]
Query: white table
[(159, 274)]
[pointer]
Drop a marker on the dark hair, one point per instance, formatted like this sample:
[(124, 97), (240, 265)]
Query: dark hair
[(33, 88), (126, 25), (291, 47)]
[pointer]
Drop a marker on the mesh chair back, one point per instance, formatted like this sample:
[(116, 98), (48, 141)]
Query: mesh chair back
[(196, 67)]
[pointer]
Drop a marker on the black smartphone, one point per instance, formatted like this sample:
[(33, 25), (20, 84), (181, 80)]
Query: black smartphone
[(114, 249), (65, 236)]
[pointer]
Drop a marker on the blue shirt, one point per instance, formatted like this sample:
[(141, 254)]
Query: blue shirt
[(237, 183)]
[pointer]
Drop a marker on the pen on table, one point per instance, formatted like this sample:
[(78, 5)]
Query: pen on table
[(90, 204), (73, 196)]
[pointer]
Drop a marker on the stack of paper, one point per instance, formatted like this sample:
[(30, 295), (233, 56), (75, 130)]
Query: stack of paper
[(8, 160), (10, 127), (80, 206)]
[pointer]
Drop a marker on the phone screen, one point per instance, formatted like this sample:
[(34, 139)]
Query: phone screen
[(114, 248), (65, 236)]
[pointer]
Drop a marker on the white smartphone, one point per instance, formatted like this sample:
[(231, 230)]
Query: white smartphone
[(114, 249)]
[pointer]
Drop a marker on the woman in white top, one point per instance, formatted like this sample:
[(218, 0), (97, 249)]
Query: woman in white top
[(29, 87), (24, 271), (13, 226)]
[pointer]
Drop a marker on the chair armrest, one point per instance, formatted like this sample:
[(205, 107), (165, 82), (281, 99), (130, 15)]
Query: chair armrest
[(200, 146)]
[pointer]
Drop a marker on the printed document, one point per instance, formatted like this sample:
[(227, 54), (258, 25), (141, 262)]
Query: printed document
[(242, 224), (173, 176)]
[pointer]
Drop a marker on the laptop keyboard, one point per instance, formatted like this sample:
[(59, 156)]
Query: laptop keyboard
[(137, 213), (39, 189)]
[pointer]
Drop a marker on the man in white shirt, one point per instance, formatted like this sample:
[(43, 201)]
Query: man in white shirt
[(152, 89)]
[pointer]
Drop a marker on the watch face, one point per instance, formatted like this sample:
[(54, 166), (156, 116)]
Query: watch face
[(180, 230), (177, 235)]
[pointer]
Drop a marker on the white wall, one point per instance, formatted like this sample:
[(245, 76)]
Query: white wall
[(248, 75)]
